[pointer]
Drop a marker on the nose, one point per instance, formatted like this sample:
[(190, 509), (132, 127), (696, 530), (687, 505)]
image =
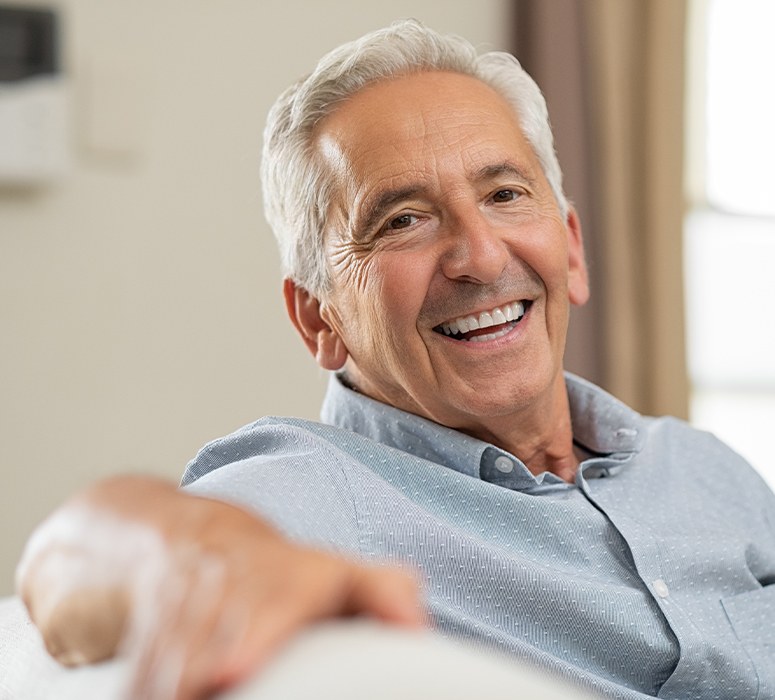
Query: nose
[(476, 250)]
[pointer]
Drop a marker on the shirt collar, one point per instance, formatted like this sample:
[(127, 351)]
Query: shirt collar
[(602, 425), (405, 431)]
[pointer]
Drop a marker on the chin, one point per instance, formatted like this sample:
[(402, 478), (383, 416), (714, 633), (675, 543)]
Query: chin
[(496, 397), (483, 406)]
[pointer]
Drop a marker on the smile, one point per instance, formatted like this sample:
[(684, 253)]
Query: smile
[(472, 328)]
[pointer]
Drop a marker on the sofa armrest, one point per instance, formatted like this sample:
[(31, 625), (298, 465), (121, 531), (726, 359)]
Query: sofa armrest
[(27, 672), (343, 660)]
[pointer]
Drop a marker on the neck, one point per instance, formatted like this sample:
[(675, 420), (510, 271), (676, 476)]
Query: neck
[(542, 439), (540, 434)]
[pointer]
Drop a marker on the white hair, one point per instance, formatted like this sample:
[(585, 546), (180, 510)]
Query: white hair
[(297, 185)]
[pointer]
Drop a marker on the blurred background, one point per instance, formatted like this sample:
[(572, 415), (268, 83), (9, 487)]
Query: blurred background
[(140, 305)]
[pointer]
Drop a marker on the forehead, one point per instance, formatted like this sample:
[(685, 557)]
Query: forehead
[(420, 126)]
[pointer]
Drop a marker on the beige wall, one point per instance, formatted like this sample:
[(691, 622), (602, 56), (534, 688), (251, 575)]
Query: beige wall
[(139, 297)]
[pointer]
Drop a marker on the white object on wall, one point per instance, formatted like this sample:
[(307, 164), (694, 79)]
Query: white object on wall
[(34, 138)]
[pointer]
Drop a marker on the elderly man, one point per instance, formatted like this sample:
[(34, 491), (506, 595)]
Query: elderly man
[(431, 258)]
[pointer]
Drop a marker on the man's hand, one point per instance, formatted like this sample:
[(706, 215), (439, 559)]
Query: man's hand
[(197, 592)]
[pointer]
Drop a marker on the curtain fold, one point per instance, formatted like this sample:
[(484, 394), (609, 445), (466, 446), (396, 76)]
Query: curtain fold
[(612, 72)]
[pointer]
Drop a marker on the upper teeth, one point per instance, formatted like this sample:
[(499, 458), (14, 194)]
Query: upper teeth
[(494, 317)]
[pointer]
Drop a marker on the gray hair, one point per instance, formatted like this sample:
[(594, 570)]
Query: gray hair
[(298, 188)]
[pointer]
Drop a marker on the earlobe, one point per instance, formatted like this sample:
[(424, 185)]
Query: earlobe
[(578, 278), (309, 318)]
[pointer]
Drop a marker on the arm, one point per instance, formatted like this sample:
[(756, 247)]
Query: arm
[(197, 591)]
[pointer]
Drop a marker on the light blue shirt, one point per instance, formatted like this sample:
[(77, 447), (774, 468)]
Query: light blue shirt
[(651, 575)]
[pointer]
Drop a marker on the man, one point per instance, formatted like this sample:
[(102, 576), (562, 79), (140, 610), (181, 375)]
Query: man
[(431, 257)]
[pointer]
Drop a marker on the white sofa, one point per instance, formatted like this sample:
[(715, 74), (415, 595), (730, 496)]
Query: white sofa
[(345, 660)]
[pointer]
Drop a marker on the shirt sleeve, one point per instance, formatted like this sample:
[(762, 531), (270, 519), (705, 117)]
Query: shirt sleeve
[(293, 479)]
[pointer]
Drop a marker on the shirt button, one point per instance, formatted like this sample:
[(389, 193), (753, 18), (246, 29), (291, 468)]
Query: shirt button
[(660, 588), (504, 464)]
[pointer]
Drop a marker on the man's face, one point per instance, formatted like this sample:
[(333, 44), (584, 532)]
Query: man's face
[(444, 222)]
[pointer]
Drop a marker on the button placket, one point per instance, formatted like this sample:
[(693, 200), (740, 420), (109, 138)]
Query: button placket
[(660, 588)]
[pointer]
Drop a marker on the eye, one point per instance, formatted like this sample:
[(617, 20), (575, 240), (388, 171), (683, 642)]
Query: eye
[(400, 222), (505, 196)]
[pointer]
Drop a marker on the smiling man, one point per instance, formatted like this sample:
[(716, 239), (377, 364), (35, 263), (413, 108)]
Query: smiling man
[(431, 259), (448, 248)]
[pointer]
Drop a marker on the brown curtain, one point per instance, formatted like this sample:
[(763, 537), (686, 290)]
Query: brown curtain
[(612, 72)]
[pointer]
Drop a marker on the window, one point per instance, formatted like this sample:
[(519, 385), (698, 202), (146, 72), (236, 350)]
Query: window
[(730, 226)]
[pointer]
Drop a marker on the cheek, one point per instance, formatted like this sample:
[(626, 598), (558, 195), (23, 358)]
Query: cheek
[(403, 286), (545, 249), (382, 297)]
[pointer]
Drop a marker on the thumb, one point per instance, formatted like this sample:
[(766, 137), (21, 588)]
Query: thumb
[(389, 594)]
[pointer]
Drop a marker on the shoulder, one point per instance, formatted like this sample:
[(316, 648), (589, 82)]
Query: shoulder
[(296, 474), (698, 461), (267, 441), (679, 442)]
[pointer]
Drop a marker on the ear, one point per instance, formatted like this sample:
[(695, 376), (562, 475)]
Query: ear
[(307, 316), (578, 279)]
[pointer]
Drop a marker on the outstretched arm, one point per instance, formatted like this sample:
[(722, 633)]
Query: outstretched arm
[(199, 592)]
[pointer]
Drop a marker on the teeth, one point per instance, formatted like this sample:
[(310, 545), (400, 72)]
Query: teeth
[(489, 336), (498, 317), (494, 317), (485, 320)]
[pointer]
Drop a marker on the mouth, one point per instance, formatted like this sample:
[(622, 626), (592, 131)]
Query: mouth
[(487, 325)]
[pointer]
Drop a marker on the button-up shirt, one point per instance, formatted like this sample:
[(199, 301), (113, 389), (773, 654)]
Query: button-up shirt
[(649, 576)]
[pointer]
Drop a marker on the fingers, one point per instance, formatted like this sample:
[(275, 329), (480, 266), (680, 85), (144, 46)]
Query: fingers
[(86, 626), (221, 630), (178, 626), (389, 594), (319, 587), (75, 576)]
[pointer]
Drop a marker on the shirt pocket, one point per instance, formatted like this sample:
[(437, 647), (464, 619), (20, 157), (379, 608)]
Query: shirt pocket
[(752, 616)]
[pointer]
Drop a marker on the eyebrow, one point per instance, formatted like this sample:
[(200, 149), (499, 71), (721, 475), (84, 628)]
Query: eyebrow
[(490, 172), (384, 203), (374, 212)]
